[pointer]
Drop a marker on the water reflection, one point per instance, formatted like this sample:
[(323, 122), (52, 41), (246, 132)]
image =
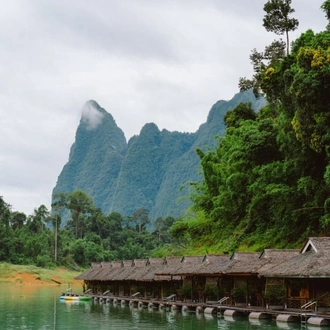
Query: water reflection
[(210, 317), (284, 325), (315, 327), (39, 308)]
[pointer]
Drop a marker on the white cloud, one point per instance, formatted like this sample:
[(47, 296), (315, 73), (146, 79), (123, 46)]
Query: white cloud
[(91, 116)]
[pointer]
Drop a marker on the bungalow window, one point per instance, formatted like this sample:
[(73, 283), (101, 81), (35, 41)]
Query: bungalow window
[(298, 288)]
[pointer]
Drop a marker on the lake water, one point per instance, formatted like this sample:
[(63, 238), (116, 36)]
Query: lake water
[(39, 308)]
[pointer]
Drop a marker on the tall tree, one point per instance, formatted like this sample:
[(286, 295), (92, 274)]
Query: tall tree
[(273, 53), (80, 204), (326, 8), (162, 228), (139, 219), (36, 221), (18, 220), (277, 18), (5, 212), (58, 207), (6, 237)]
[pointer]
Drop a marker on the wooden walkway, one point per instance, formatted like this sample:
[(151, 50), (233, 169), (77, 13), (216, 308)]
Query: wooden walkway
[(256, 312)]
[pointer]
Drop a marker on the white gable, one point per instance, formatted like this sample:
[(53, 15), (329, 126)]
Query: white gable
[(309, 246)]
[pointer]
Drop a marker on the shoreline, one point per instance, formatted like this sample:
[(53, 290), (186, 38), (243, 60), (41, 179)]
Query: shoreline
[(32, 275)]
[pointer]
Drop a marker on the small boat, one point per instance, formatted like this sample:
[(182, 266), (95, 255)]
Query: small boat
[(73, 297)]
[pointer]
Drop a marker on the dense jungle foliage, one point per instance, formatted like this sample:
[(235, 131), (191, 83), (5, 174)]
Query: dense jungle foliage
[(267, 184), (89, 236)]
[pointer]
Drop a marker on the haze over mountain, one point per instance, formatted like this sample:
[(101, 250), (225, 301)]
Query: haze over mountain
[(149, 171)]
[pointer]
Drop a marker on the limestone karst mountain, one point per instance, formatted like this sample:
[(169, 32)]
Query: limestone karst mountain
[(149, 171)]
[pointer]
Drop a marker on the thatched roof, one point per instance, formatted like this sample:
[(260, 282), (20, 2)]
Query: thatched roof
[(133, 270), (188, 265), (270, 258), (155, 261), (193, 265), (116, 263), (312, 261), (95, 267), (106, 270), (140, 262), (100, 270), (145, 271), (96, 264), (212, 265), (118, 268), (127, 263), (240, 263), (318, 244), (122, 274), (91, 274), (169, 265), (84, 275), (157, 264)]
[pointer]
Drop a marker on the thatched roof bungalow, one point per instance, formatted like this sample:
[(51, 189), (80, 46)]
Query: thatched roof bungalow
[(306, 274), (303, 274), (312, 261)]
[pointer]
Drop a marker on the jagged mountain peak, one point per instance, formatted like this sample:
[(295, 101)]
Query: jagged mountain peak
[(147, 172), (149, 128), (92, 115)]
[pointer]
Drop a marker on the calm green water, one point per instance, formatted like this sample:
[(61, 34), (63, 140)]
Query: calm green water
[(39, 308)]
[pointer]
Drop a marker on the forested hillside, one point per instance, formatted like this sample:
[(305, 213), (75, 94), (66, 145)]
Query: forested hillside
[(268, 181)]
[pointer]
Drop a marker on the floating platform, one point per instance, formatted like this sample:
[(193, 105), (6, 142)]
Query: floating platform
[(253, 313)]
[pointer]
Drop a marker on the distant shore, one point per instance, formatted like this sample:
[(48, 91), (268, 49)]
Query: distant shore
[(32, 275)]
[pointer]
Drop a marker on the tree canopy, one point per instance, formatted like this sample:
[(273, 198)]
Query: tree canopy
[(89, 235), (268, 180), (277, 18)]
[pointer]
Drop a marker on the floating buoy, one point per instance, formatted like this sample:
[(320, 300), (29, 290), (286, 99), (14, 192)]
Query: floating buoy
[(199, 309)]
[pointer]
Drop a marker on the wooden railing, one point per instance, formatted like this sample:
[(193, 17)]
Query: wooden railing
[(309, 306)]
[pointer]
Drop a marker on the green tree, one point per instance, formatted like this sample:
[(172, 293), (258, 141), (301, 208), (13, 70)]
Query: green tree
[(277, 18), (6, 234), (162, 228), (98, 223), (18, 220), (59, 206), (243, 111), (80, 205), (36, 221), (115, 225), (326, 8), (271, 57), (84, 252), (139, 219), (5, 213)]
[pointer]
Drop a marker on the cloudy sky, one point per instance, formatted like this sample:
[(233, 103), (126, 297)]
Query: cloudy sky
[(161, 61)]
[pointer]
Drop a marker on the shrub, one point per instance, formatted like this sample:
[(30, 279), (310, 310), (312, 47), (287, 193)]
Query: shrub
[(275, 294)]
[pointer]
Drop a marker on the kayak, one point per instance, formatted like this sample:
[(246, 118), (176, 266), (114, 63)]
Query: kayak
[(75, 298)]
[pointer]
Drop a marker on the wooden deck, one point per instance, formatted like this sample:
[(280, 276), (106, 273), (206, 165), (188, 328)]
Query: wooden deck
[(207, 307)]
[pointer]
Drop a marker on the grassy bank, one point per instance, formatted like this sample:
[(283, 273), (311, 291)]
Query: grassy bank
[(34, 275)]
